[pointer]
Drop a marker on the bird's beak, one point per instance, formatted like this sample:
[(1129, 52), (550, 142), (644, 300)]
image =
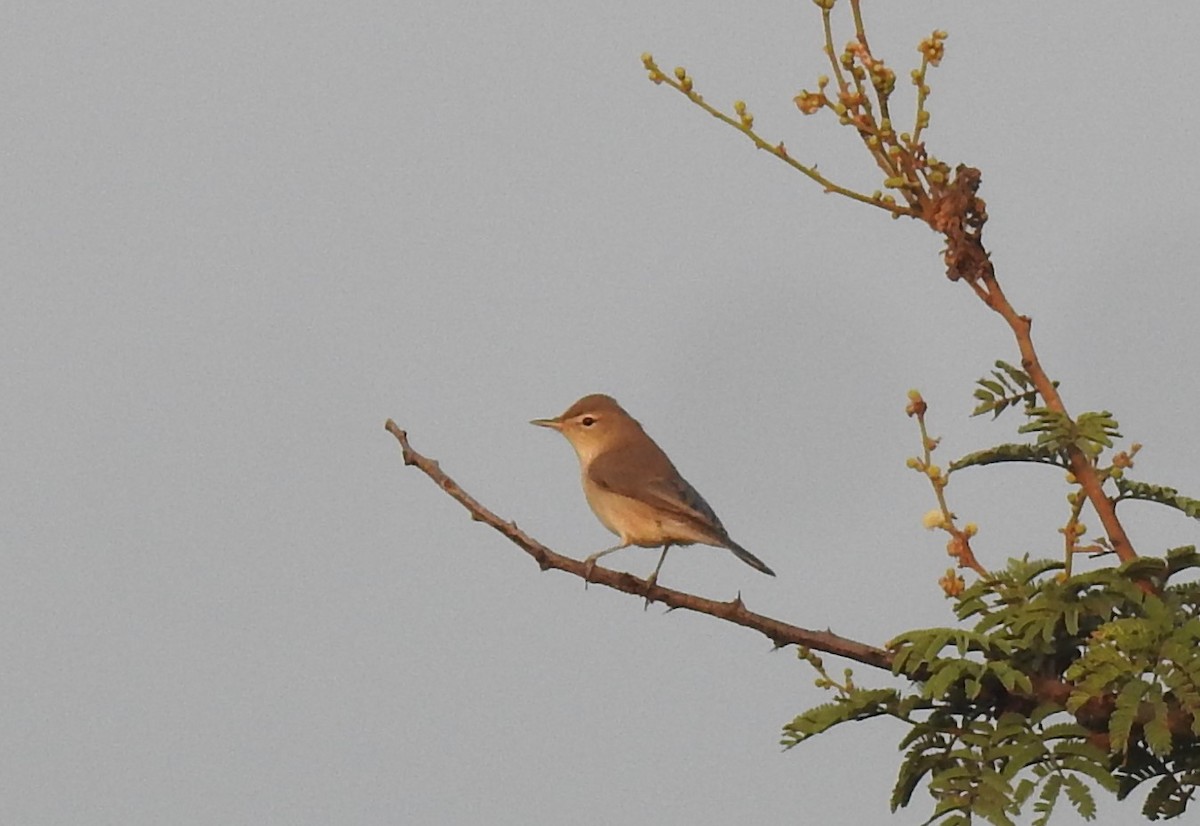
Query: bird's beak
[(551, 423)]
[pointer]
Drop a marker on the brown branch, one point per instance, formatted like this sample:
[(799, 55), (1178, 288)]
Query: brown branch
[(959, 214), (1095, 713), (780, 633)]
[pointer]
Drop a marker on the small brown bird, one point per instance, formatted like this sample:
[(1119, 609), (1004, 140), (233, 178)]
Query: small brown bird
[(633, 488)]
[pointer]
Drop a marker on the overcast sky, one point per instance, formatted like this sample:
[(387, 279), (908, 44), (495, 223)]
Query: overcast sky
[(238, 236)]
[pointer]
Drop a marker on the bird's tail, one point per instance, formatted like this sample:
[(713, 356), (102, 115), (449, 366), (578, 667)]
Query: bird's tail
[(749, 558)]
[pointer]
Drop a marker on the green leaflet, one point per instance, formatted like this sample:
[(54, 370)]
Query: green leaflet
[(1008, 386), (1162, 495)]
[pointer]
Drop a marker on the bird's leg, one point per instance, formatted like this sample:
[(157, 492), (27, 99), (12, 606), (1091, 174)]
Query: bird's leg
[(653, 578), (590, 562)]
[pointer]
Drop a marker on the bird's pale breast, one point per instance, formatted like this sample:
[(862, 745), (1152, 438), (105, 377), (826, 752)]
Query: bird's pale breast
[(639, 523)]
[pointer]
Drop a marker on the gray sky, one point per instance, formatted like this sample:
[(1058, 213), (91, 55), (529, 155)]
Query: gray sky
[(238, 236)]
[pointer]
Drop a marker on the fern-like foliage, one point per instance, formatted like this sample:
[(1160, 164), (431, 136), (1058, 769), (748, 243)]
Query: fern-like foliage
[(1090, 432), (1161, 494), (1054, 687), (1008, 386), (1039, 454)]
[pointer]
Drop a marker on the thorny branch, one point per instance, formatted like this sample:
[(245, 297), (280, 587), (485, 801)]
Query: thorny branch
[(735, 611)]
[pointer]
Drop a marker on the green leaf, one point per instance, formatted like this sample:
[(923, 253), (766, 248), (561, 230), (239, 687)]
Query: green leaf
[(1011, 678), (1022, 791), (1144, 567), (1158, 727), (1080, 797), (1019, 377), (859, 705), (1130, 489), (946, 674), (1181, 559), (912, 771), (1017, 756), (1044, 805), (994, 386), (1098, 429), (1094, 770), (1008, 386), (1126, 712), (1013, 452)]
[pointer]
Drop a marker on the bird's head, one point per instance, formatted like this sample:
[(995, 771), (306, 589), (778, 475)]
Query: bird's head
[(592, 425)]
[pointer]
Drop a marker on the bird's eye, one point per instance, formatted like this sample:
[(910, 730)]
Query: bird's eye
[(587, 421)]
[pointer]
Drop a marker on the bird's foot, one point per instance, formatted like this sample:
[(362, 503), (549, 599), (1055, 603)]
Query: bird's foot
[(651, 581)]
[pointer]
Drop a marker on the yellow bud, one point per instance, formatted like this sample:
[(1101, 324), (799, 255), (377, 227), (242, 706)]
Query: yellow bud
[(934, 519), (971, 529), (952, 584)]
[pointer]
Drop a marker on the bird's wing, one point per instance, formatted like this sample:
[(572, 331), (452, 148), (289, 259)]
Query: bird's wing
[(658, 484)]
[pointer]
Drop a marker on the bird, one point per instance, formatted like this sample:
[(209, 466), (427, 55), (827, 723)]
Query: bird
[(634, 489)]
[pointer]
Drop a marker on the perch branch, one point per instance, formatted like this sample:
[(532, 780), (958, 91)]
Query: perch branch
[(780, 633)]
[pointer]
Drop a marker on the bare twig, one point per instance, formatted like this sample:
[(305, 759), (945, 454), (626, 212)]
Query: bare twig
[(780, 633)]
